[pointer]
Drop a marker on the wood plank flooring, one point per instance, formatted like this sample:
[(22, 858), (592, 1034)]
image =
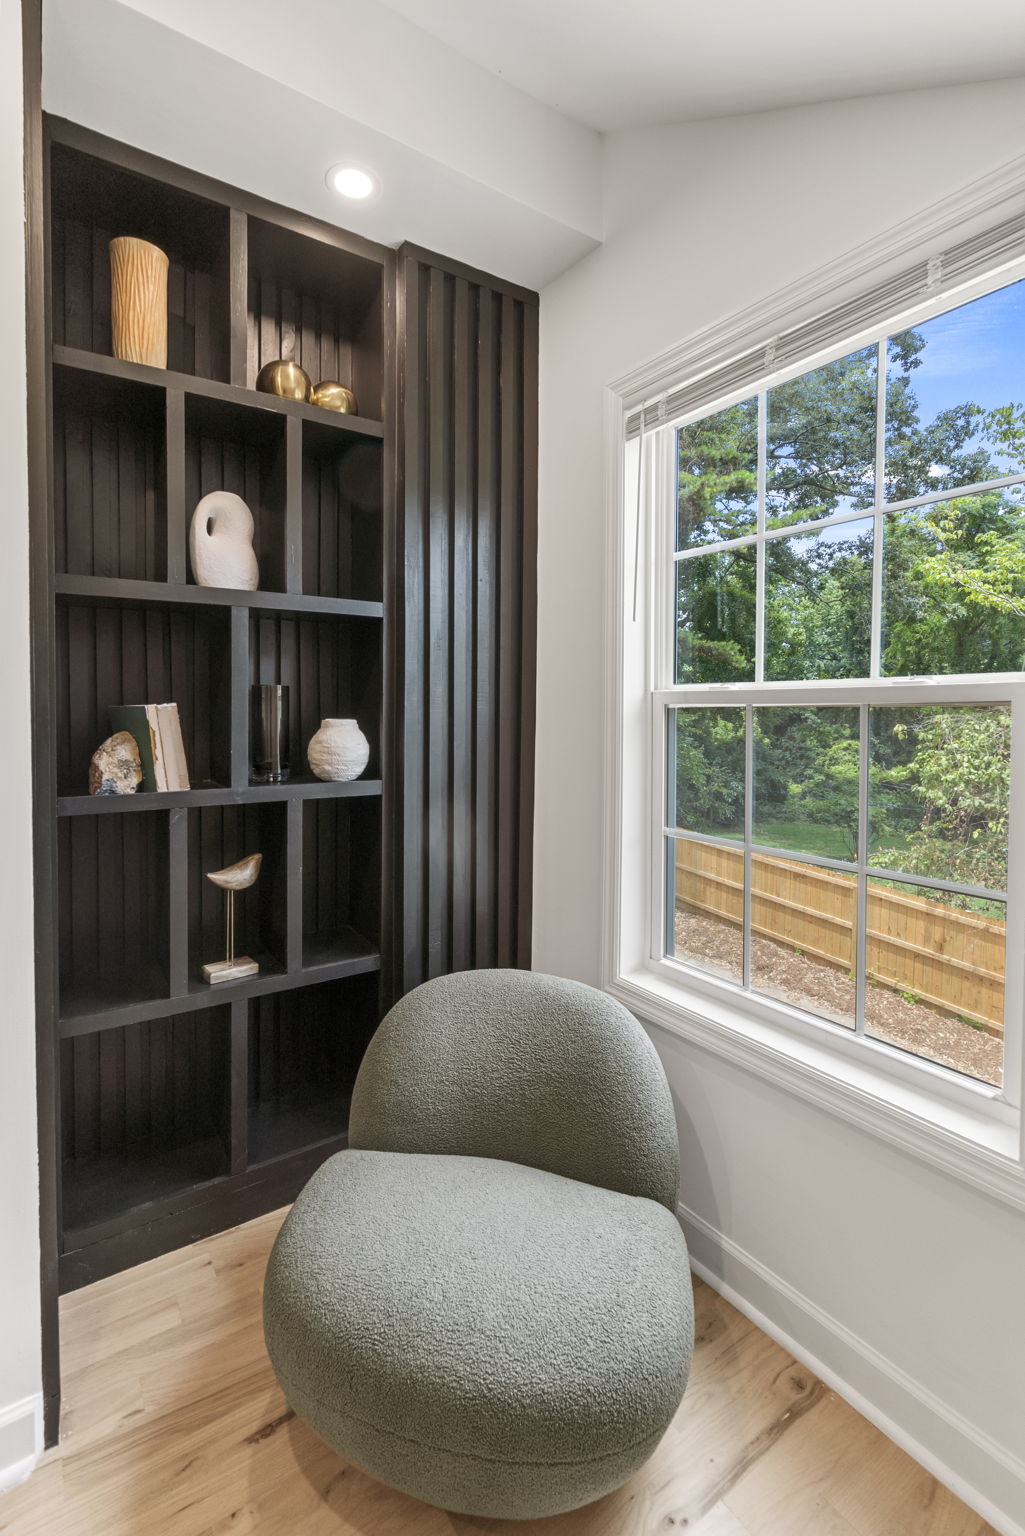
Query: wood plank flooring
[(174, 1426)]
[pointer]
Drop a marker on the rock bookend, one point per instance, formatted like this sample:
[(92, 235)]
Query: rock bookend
[(116, 767)]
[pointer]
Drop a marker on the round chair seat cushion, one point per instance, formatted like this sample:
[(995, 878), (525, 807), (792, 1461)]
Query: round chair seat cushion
[(491, 1338)]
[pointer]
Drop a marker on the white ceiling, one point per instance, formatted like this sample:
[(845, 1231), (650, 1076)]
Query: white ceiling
[(614, 64)]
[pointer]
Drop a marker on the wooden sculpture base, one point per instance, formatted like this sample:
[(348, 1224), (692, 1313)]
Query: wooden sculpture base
[(230, 970)]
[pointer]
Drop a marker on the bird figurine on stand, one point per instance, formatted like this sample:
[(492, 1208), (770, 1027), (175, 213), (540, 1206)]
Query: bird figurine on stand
[(237, 877)]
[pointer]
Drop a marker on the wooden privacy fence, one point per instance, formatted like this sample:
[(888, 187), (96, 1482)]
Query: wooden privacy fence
[(947, 958)]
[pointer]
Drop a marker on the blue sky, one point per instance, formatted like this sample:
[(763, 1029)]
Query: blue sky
[(976, 352)]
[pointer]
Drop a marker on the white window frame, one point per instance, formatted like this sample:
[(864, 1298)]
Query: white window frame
[(968, 1128)]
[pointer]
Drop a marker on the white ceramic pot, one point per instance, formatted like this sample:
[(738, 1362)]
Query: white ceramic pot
[(339, 751), (221, 543)]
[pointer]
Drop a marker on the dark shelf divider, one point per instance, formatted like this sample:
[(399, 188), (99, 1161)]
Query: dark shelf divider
[(298, 788), (347, 424), (352, 955), (113, 590)]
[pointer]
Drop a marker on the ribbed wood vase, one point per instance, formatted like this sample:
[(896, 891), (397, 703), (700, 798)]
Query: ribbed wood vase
[(138, 308)]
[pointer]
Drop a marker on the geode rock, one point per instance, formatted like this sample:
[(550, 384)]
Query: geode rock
[(116, 768)]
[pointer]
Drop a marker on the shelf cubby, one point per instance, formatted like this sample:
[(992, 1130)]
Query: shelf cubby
[(229, 447), (341, 872), (145, 1115), (93, 201), (118, 653), (109, 477), (332, 668), (317, 304), (305, 1049), (113, 877), (342, 491), (218, 836)]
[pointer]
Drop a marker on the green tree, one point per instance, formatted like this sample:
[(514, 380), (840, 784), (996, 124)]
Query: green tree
[(941, 783)]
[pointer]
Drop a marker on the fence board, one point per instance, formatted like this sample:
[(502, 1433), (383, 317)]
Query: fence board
[(950, 959)]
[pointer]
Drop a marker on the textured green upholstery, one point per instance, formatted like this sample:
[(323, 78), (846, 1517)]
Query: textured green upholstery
[(530, 1068), (475, 1320), (488, 1337)]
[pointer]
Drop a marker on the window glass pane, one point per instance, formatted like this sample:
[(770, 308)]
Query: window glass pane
[(954, 587), (715, 618), (802, 944), (936, 977), (939, 792), (820, 450), (706, 771), (706, 887), (954, 387), (818, 604), (806, 780), (717, 465)]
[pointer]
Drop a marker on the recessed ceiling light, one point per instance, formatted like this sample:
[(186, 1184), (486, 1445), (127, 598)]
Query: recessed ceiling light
[(352, 181)]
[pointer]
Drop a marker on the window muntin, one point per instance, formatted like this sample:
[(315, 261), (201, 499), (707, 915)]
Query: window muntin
[(796, 571)]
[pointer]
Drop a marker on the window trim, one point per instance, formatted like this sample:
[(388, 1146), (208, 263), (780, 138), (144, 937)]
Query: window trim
[(973, 1132)]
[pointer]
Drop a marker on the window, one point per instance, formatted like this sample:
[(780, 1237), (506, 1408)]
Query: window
[(839, 690)]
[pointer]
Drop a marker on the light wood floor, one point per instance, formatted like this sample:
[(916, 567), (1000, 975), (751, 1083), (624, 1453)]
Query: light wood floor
[(174, 1426)]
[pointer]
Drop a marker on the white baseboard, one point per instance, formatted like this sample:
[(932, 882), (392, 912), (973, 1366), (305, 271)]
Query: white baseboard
[(988, 1476), (21, 1440)]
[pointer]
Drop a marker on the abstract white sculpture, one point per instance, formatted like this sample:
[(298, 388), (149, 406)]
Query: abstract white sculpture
[(339, 751), (221, 543)]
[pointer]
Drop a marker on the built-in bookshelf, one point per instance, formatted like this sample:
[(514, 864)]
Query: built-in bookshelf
[(180, 1101)]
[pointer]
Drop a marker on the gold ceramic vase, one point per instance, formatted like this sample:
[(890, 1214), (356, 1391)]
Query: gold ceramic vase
[(285, 378), (332, 396), (138, 301)]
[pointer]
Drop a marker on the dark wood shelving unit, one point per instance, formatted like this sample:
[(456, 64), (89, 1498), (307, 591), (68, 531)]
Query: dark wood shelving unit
[(183, 1105), (397, 554)]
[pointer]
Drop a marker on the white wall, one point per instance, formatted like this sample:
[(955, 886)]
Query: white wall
[(19, 1216), (903, 1284), (467, 165)]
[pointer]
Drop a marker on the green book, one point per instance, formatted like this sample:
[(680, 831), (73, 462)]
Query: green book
[(134, 719)]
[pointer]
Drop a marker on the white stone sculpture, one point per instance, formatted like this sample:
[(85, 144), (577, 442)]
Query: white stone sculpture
[(339, 751), (221, 543)]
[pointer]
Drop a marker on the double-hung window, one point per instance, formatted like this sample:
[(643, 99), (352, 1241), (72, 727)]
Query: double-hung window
[(837, 695)]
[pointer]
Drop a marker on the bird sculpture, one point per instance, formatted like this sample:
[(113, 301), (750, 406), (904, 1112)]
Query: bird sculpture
[(236, 877)]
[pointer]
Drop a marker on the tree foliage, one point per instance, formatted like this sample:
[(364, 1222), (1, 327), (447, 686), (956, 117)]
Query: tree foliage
[(953, 602)]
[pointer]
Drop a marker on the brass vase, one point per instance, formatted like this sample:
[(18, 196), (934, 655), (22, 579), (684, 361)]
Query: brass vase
[(285, 378), (332, 396), (138, 301)]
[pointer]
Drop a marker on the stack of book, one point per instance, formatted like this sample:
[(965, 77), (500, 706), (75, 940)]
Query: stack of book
[(158, 735)]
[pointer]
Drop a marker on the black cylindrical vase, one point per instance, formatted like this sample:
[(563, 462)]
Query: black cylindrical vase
[(270, 733)]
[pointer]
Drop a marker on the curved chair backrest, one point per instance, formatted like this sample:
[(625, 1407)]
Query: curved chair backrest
[(527, 1068)]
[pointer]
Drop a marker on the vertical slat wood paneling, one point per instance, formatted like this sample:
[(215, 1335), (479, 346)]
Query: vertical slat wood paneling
[(108, 478), (467, 465)]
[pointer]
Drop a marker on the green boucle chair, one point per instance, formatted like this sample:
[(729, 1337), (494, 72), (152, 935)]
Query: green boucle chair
[(486, 1300)]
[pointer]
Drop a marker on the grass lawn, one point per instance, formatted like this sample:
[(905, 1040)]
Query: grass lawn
[(805, 837)]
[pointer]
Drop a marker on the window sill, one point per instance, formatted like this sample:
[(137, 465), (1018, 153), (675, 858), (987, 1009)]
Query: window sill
[(960, 1139)]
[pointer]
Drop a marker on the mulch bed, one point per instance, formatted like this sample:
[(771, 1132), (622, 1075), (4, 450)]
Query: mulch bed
[(820, 989)]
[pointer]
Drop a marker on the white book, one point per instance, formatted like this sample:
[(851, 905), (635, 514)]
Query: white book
[(159, 760), (168, 751), (174, 747)]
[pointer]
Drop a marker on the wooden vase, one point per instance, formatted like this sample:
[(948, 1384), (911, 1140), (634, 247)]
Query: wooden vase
[(138, 309)]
